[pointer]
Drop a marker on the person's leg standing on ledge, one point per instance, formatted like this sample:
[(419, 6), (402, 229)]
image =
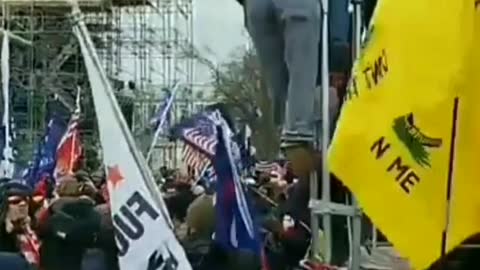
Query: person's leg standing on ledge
[(302, 21), (266, 31), (286, 34)]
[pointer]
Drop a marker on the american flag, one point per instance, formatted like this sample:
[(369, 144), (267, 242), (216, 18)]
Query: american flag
[(70, 147), (200, 137), (201, 134), (195, 159)]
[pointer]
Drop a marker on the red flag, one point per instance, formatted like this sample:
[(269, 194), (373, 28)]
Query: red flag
[(69, 149)]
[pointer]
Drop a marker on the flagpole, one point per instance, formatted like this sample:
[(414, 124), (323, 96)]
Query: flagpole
[(6, 166), (450, 178), (82, 34), (327, 221), (355, 245), (76, 114), (163, 118)]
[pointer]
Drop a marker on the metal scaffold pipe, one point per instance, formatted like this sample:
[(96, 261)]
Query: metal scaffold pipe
[(327, 222), (357, 218), (325, 207), (15, 38)]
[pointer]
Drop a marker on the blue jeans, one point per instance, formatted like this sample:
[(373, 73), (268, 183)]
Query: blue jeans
[(286, 35)]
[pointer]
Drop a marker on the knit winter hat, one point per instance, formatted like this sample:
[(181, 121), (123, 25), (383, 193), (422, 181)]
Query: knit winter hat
[(14, 187)]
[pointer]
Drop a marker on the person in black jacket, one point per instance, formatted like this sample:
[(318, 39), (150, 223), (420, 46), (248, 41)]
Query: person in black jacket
[(68, 228), (13, 261)]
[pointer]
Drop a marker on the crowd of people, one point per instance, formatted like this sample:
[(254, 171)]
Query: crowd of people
[(281, 205), (57, 226), (67, 224)]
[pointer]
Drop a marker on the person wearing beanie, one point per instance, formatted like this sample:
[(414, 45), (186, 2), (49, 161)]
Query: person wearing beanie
[(16, 233), (201, 217), (200, 221), (73, 188)]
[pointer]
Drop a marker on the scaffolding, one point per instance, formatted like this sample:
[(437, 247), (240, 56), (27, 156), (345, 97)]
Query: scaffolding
[(176, 51), (143, 45)]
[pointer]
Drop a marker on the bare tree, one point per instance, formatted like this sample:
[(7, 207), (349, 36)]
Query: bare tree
[(239, 84)]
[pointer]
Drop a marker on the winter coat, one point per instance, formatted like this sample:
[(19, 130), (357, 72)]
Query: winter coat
[(106, 238), (178, 203), (13, 261), (94, 259), (201, 217), (8, 241), (67, 229)]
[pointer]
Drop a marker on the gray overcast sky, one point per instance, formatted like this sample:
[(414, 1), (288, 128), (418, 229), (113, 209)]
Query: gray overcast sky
[(218, 27)]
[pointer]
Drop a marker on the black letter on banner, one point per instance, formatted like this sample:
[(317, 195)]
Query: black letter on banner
[(122, 242), (137, 230), (366, 73), (155, 261), (379, 68), (171, 263), (380, 146), (409, 181), (143, 205), (397, 164), (352, 90), (385, 62)]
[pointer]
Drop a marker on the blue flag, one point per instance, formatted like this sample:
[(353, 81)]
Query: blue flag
[(235, 224), (45, 156), (164, 111), (208, 178)]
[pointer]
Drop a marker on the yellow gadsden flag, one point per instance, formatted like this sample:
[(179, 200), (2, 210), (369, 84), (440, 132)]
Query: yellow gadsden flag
[(399, 140)]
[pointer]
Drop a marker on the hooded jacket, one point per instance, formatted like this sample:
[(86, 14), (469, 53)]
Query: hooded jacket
[(13, 261), (67, 229)]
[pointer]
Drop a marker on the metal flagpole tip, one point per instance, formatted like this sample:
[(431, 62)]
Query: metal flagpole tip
[(76, 12)]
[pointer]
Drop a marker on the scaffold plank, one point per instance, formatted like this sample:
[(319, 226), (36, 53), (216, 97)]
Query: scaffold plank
[(55, 3), (82, 3)]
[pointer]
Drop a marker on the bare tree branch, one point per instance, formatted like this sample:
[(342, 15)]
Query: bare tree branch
[(239, 84)]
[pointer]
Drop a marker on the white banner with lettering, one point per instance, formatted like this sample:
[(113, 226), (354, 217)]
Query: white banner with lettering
[(142, 225)]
